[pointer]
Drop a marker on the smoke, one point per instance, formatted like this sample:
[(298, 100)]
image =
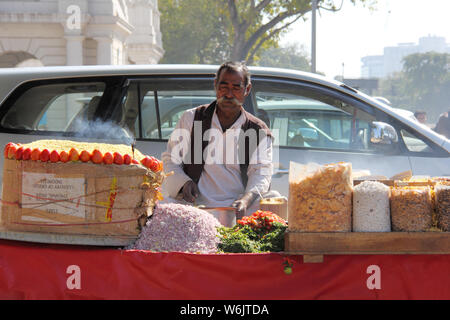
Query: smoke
[(97, 129)]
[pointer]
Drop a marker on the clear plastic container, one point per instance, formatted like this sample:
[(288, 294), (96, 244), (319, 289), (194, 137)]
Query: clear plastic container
[(411, 208), (320, 197), (442, 193)]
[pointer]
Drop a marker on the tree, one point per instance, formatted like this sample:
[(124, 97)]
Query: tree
[(230, 29), (193, 31), (393, 88), (427, 79), (423, 83), (250, 32), (291, 56), (258, 24)]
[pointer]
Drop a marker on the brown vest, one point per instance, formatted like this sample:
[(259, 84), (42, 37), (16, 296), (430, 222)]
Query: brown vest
[(204, 114)]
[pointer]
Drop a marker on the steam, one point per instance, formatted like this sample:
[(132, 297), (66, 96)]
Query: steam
[(97, 129)]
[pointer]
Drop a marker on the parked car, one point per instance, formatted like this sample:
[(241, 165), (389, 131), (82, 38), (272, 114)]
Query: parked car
[(315, 119)]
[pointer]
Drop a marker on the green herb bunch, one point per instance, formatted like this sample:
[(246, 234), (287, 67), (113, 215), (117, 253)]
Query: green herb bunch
[(263, 231)]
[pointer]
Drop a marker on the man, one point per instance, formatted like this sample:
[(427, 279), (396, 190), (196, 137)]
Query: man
[(443, 125), (213, 153), (421, 116)]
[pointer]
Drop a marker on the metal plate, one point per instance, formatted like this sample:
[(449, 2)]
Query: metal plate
[(225, 215), (54, 238)]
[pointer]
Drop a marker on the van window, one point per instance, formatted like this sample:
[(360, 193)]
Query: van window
[(53, 107), (299, 118), (153, 107), (413, 143)]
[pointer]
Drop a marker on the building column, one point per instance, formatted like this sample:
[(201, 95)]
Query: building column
[(104, 50), (74, 50)]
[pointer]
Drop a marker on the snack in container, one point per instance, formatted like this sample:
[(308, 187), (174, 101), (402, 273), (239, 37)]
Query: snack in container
[(441, 180), (411, 208), (277, 205), (371, 209), (442, 194), (320, 197)]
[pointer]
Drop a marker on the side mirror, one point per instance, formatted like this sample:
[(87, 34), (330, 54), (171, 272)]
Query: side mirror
[(382, 133)]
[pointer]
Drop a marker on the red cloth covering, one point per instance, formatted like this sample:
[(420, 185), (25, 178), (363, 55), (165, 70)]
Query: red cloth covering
[(40, 271)]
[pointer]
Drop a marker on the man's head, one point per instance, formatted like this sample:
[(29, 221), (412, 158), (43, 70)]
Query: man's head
[(232, 84), (443, 125), (421, 116)]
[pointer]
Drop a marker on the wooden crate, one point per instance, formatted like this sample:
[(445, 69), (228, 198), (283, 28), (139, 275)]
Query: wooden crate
[(108, 199), (316, 244)]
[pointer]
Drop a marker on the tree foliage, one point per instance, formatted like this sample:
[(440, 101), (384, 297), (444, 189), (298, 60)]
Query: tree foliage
[(217, 30), (423, 84), (291, 56), (259, 24), (193, 31)]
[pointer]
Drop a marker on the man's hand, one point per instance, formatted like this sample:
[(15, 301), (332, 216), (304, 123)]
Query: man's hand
[(243, 203), (190, 191)]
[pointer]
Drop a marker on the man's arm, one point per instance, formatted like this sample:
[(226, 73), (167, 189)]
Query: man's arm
[(259, 174), (260, 169), (177, 147)]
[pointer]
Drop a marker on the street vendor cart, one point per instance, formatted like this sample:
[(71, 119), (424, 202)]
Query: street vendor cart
[(112, 204)]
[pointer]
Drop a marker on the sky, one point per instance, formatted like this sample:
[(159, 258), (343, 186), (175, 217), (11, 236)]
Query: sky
[(344, 37)]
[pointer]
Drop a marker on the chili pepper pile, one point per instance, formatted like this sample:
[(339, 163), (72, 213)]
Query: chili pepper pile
[(263, 231), (19, 152), (261, 220)]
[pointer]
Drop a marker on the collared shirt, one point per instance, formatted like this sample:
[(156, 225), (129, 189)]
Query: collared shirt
[(220, 183)]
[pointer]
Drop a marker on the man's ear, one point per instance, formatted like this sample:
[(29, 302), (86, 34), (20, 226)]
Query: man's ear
[(248, 89)]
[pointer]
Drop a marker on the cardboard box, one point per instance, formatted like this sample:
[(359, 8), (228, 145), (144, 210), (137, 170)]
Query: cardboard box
[(77, 198)]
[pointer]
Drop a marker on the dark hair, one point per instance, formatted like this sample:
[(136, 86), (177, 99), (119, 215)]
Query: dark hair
[(419, 113), (235, 66)]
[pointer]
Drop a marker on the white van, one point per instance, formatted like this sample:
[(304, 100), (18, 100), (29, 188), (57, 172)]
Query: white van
[(316, 119)]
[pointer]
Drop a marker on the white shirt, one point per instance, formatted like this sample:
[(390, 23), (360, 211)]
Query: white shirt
[(220, 184)]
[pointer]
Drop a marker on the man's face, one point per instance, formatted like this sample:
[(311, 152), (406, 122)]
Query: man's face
[(422, 118), (231, 90)]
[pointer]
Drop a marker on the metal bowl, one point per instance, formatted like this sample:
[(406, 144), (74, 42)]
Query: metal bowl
[(225, 215)]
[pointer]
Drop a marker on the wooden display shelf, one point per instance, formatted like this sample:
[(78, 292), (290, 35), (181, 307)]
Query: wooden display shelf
[(313, 245), (73, 239)]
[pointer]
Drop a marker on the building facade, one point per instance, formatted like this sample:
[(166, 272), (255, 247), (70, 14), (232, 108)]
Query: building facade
[(372, 67), (381, 66), (79, 32)]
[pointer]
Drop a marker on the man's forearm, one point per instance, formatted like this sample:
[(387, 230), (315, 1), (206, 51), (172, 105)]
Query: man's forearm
[(260, 168), (176, 181)]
